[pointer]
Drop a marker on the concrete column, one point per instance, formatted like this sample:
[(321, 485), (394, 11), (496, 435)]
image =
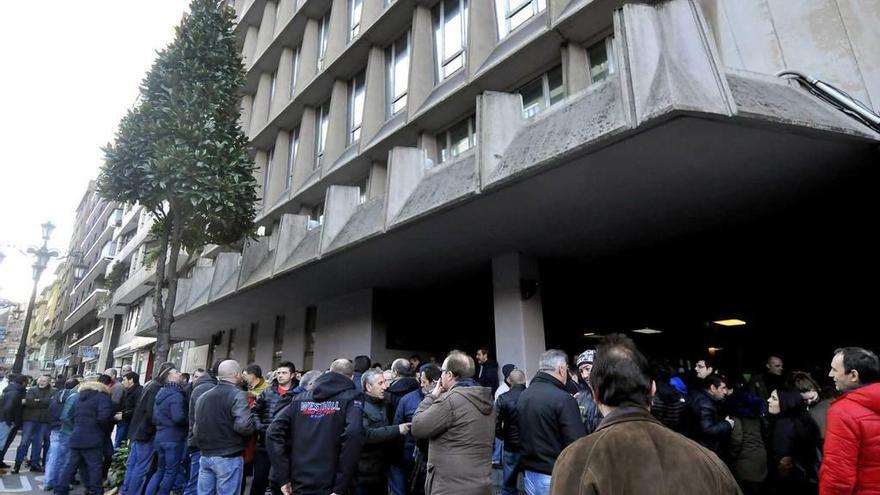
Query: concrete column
[(250, 45), (421, 60), (305, 154), (284, 13), (375, 101), (371, 11), (406, 168), (279, 170), (265, 341), (556, 7), (247, 103), (338, 31), (575, 67), (282, 81), (481, 41), (499, 119), (342, 203), (376, 181), (267, 28), (337, 132), (308, 55), (346, 327), (428, 142), (519, 322), (260, 116)]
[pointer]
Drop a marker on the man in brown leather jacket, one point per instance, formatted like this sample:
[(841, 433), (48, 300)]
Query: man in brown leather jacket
[(631, 453)]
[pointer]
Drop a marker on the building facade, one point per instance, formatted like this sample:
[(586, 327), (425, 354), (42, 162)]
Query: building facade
[(420, 161)]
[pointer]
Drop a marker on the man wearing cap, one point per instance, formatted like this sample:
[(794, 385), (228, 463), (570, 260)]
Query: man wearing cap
[(590, 413)]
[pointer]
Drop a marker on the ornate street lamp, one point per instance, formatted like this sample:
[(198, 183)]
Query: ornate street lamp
[(43, 255)]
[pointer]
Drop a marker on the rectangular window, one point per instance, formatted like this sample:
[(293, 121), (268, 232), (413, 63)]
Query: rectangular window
[(363, 190), (272, 90), (270, 157), (322, 122), (356, 106), (355, 7), (311, 325), (512, 14), (601, 57), (316, 216), (294, 71), (252, 343), (397, 74), (278, 341), (457, 139), (542, 93), (450, 36), (230, 346), (291, 157), (323, 35)]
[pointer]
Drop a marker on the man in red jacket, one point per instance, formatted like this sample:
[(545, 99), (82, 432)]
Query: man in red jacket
[(851, 462)]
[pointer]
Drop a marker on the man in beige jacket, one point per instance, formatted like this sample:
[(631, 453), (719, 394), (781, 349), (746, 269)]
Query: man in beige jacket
[(458, 419)]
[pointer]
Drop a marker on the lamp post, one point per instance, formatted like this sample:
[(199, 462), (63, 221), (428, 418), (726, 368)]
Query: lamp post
[(43, 254)]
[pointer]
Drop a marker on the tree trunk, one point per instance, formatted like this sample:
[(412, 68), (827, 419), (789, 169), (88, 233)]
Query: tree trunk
[(164, 328), (163, 340)]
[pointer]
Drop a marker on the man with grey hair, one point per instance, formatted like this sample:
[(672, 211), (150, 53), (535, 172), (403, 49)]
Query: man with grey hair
[(507, 430), (379, 435), (549, 420), (403, 382), (223, 423), (314, 444)]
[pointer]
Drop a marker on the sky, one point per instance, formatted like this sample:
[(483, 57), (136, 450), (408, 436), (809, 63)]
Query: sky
[(70, 72)]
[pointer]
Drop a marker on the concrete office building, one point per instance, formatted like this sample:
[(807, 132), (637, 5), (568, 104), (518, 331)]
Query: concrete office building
[(466, 173), (77, 335)]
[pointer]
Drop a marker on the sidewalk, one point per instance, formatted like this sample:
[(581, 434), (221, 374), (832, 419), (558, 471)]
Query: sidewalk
[(25, 482)]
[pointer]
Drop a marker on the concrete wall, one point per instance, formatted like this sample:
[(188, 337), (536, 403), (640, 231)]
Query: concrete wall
[(832, 40)]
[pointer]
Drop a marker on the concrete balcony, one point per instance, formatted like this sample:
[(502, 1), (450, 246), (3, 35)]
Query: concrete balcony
[(139, 284), (88, 306)]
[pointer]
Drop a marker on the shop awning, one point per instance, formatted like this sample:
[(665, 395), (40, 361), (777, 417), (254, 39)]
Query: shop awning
[(135, 344)]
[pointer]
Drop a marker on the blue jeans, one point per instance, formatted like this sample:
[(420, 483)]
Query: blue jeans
[(121, 433), (510, 461), (170, 456), (5, 428), (397, 480), (535, 483), (93, 460), (137, 467), (59, 444), (220, 475), (31, 436), (496, 452), (192, 483)]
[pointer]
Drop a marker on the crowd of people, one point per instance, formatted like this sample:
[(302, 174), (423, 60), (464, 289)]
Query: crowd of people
[(608, 421)]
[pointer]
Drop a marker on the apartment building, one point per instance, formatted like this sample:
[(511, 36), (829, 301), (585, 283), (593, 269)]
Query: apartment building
[(459, 173)]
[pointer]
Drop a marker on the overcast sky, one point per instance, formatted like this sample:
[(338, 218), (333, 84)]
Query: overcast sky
[(70, 71)]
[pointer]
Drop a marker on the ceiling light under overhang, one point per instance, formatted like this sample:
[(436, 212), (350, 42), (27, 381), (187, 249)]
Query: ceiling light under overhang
[(733, 322), (647, 331), (590, 334)]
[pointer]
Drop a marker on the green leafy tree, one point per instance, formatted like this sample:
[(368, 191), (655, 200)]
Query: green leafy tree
[(181, 153)]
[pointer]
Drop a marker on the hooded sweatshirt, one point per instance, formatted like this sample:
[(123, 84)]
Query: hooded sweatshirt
[(330, 416), (169, 414), (851, 462), (460, 427)]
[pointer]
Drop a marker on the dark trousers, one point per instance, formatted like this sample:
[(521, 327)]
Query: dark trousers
[(261, 472), (93, 459)]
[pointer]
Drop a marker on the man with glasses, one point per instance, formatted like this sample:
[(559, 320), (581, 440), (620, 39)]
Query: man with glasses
[(458, 419)]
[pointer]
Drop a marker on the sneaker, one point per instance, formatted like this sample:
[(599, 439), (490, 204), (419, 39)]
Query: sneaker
[(36, 468), (3, 465), (16, 469)]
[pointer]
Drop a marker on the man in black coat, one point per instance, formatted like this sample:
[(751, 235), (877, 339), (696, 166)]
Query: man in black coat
[(380, 436), (403, 383), (549, 420), (712, 430), (203, 381), (330, 416), (92, 419), (141, 433), (507, 429), (132, 390), (11, 412), (269, 402), (487, 375)]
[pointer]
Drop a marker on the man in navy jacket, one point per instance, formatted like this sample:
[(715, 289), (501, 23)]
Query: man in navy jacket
[(92, 415)]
